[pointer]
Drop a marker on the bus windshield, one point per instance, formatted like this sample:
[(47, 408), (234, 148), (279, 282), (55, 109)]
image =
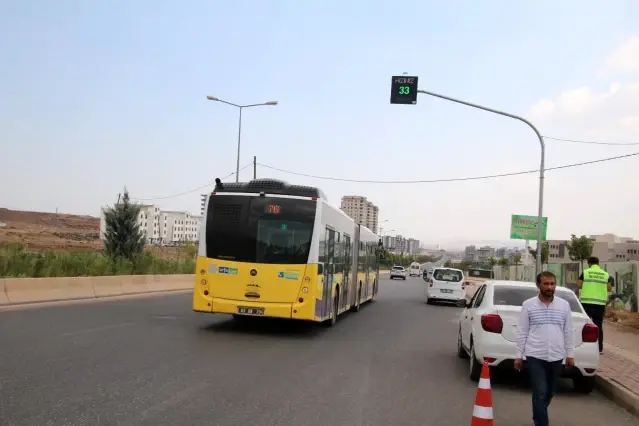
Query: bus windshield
[(259, 229)]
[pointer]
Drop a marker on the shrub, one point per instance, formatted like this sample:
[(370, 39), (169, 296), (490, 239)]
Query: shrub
[(16, 262)]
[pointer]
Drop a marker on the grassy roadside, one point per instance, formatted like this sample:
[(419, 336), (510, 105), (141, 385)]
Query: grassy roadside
[(15, 262)]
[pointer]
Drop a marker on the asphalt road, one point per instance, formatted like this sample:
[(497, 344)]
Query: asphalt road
[(151, 361)]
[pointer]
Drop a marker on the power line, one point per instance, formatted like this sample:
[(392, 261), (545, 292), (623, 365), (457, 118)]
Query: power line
[(591, 142), (565, 166), (423, 181), (191, 190)]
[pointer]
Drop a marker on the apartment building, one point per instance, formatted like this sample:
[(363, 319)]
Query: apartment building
[(361, 210), (470, 254), (179, 226), (400, 244), (485, 253), (389, 242), (607, 247), (412, 246), (163, 226)]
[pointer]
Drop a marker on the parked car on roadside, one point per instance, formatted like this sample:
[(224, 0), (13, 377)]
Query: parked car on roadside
[(488, 328)]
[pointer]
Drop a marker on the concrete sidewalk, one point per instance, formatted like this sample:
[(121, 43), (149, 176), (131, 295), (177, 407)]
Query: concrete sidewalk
[(619, 366)]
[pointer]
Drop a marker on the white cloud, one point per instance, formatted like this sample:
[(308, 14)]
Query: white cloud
[(625, 58), (608, 111)]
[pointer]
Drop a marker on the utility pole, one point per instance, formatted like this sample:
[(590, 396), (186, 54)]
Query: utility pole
[(254, 167)]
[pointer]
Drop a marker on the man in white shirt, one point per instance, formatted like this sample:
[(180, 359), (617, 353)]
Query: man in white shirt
[(545, 337)]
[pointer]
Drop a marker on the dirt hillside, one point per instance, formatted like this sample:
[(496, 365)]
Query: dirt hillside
[(50, 231)]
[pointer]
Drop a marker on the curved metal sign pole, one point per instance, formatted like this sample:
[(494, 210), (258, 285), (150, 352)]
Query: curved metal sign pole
[(542, 166)]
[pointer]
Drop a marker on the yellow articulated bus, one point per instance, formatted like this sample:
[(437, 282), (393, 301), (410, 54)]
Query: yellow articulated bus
[(271, 249)]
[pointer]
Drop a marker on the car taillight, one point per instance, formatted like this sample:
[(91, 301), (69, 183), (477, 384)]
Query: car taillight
[(590, 333), (492, 323), (431, 282)]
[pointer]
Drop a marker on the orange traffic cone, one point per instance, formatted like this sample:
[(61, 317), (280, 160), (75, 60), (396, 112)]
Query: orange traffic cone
[(483, 410)]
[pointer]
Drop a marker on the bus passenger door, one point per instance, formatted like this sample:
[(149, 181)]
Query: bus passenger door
[(329, 271), (367, 259), (346, 280)]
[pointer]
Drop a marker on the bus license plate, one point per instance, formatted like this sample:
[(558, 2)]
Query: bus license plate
[(250, 311), (446, 291)]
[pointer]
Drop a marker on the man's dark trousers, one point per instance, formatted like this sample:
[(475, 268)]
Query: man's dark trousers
[(543, 378), (596, 314)]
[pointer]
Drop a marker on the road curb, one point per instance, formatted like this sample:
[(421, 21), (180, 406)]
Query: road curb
[(618, 393)]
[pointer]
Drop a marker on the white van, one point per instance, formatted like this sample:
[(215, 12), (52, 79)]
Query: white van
[(414, 269), (446, 285)]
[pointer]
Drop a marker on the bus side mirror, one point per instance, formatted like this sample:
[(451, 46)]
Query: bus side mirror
[(320, 269)]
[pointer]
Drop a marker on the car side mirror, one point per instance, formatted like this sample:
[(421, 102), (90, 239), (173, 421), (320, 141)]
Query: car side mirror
[(320, 269)]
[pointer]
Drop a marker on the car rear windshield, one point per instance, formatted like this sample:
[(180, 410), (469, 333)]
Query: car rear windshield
[(515, 296), (259, 229), (448, 275), (398, 268), (414, 266)]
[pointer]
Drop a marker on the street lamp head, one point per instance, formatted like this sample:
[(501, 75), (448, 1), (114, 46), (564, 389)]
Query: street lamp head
[(270, 103), (212, 98)]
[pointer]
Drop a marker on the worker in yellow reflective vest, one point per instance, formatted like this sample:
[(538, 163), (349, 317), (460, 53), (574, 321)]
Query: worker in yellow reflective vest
[(594, 285)]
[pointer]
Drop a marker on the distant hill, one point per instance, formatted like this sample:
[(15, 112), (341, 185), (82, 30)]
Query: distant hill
[(50, 231)]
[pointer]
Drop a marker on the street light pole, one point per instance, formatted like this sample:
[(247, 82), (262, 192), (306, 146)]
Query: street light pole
[(542, 167), (239, 130)]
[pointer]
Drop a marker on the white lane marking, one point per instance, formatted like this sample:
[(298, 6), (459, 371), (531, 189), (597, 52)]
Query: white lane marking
[(92, 330)]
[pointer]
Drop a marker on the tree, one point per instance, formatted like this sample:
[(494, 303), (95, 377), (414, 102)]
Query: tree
[(503, 262), (545, 252), (492, 262), (448, 263), (123, 237), (579, 248)]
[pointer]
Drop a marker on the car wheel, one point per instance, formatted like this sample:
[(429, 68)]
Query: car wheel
[(404, 278), (475, 367), (584, 384), (461, 352)]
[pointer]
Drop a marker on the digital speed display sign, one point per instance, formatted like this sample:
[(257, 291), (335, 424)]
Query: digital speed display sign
[(403, 90)]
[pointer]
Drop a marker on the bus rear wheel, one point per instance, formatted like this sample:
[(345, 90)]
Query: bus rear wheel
[(355, 307), (331, 322)]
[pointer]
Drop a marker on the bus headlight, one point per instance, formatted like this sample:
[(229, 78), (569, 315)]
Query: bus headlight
[(304, 289), (203, 282)]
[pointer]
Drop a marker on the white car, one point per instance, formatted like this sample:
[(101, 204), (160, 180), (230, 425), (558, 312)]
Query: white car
[(488, 329), (398, 272), (446, 285)]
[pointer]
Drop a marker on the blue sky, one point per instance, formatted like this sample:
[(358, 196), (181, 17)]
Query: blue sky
[(102, 94)]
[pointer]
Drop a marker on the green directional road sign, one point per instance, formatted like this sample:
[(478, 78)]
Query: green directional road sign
[(525, 227)]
